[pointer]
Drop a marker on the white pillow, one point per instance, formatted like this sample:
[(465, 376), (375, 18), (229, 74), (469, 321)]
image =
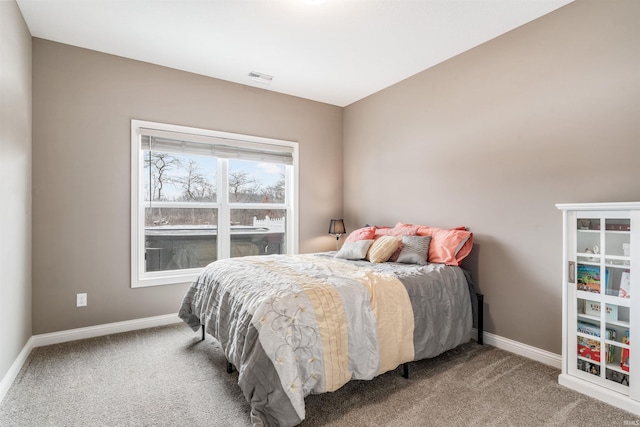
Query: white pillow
[(354, 250)]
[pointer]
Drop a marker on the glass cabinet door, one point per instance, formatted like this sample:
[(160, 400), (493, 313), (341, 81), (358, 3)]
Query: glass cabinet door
[(602, 279)]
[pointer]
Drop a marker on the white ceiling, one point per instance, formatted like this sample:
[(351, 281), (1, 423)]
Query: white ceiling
[(335, 52)]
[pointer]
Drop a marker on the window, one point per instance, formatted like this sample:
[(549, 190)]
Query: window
[(200, 195)]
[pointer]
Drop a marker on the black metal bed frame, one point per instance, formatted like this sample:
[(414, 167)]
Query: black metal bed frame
[(405, 366)]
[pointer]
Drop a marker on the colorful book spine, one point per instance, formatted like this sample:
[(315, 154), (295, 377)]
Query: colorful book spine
[(624, 360), (611, 355)]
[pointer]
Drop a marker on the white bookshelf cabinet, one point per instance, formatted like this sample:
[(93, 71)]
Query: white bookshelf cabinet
[(601, 302)]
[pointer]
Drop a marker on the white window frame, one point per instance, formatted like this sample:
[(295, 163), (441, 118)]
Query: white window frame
[(140, 278)]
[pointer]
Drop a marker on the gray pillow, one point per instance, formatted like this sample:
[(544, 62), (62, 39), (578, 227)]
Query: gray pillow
[(354, 250), (415, 249)]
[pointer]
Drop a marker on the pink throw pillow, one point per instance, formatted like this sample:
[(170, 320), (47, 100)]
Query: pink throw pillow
[(448, 246), (364, 233)]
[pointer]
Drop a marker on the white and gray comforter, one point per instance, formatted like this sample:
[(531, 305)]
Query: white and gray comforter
[(299, 324)]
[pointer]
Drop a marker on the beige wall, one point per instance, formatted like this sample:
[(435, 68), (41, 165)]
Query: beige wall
[(83, 104), (494, 138), (15, 185)]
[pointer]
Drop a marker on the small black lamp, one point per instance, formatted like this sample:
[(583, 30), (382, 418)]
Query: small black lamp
[(336, 228)]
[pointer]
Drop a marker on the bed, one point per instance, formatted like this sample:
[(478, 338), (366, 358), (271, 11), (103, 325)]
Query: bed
[(293, 325)]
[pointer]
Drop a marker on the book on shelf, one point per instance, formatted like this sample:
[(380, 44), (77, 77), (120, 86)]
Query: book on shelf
[(611, 353), (624, 360), (591, 368), (589, 328), (625, 285), (592, 308), (618, 377), (589, 349), (594, 330), (588, 278)]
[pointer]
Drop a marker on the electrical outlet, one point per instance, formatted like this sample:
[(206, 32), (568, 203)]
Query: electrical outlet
[(81, 300)]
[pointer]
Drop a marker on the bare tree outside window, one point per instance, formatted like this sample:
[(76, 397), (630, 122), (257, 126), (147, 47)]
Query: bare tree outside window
[(275, 193), (242, 187), (158, 167), (195, 185), (255, 182)]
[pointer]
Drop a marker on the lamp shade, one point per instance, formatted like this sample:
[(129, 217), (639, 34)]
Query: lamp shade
[(336, 227)]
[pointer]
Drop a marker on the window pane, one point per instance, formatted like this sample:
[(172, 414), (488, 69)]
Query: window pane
[(257, 232), (185, 181), (256, 182), (180, 238), (178, 177)]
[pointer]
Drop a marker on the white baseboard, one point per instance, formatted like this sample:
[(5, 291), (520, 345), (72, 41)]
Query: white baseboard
[(101, 330), (13, 371), (524, 350), (79, 334)]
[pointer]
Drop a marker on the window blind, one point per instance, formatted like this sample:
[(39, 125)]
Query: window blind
[(204, 145)]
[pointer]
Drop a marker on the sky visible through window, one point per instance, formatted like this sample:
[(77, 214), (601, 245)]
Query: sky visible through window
[(265, 173), (200, 171)]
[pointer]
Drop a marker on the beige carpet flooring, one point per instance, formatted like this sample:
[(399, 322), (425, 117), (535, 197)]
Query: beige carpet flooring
[(167, 377)]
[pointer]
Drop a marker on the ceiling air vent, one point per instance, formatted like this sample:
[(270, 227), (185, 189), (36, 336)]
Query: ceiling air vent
[(260, 78)]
